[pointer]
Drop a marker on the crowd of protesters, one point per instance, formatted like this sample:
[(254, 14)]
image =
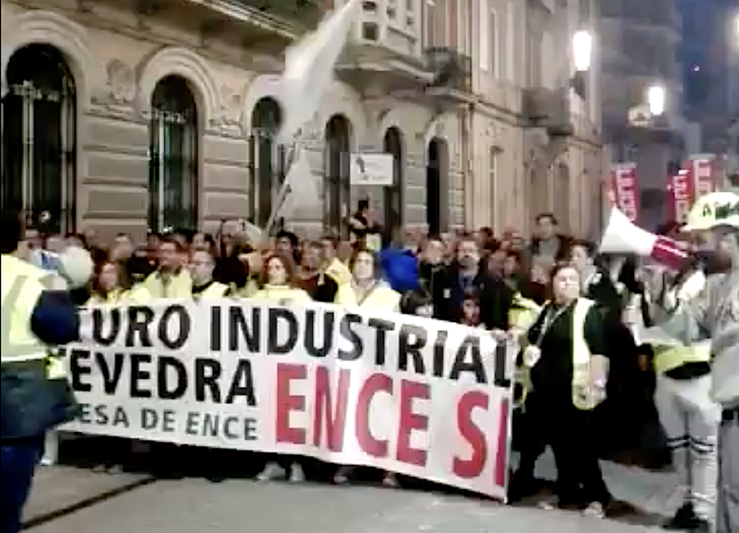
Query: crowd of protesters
[(477, 279)]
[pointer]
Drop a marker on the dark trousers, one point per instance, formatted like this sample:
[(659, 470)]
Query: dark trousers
[(570, 433), (19, 460)]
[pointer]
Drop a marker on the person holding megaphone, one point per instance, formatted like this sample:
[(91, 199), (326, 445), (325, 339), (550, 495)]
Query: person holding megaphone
[(687, 414), (38, 314), (709, 309)]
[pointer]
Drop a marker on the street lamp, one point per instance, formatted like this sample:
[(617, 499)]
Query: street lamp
[(582, 50), (656, 100)]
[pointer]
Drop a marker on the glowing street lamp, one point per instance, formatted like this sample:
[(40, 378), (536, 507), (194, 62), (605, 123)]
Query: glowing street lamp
[(582, 50), (656, 100)]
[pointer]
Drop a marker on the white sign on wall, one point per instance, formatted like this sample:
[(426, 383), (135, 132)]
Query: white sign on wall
[(372, 169)]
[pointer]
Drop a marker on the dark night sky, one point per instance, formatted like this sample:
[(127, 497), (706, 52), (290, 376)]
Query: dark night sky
[(702, 24)]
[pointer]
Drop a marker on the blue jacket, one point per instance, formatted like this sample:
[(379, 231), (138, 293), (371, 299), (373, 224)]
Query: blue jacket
[(55, 319), (400, 269)]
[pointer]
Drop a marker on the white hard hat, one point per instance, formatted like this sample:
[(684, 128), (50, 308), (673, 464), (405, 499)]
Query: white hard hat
[(712, 210)]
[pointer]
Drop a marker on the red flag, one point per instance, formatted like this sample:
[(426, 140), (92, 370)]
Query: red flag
[(626, 190), (702, 174), (682, 195)]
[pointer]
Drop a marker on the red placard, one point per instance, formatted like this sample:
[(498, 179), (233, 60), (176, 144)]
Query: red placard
[(682, 194), (701, 169), (626, 189)]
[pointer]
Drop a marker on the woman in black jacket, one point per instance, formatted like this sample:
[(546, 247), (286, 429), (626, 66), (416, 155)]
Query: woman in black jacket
[(566, 363)]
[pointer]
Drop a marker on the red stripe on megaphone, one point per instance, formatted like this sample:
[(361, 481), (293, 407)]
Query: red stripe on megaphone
[(667, 252)]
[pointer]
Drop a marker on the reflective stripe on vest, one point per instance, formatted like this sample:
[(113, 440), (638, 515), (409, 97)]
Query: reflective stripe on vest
[(10, 350), (586, 396), (670, 358), (55, 368)]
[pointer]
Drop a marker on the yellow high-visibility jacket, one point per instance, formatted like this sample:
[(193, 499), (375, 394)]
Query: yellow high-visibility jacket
[(339, 271), (379, 297), (523, 312), (283, 294), (214, 291), (113, 297), (22, 285), (177, 285)]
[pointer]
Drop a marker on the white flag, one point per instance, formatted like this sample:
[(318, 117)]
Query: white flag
[(303, 186), (309, 69), (254, 233)]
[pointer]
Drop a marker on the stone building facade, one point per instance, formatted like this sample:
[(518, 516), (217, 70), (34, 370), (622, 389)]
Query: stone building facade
[(126, 115)]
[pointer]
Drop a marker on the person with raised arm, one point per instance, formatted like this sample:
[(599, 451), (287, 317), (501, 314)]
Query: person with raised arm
[(711, 311), (38, 314)]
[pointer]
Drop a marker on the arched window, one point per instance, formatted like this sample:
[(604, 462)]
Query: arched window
[(173, 158), (393, 145), (266, 161), (39, 138), (337, 188), (436, 183)]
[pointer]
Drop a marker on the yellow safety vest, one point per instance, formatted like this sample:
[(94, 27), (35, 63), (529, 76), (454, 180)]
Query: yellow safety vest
[(213, 292), (586, 396), (247, 291), (138, 294), (121, 297), (523, 312), (379, 297), (177, 286), (22, 285), (339, 271), (283, 293), (113, 297)]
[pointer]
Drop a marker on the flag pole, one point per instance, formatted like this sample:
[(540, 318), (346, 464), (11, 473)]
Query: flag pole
[(284, 188)]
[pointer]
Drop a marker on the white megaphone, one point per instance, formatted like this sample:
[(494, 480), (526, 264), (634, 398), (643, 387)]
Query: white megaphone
[(76, 266), (623, 237)]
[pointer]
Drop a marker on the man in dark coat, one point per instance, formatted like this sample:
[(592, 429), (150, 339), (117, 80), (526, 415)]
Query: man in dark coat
[(465, 273)]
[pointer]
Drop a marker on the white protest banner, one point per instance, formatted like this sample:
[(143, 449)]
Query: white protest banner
[(421, 397)]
